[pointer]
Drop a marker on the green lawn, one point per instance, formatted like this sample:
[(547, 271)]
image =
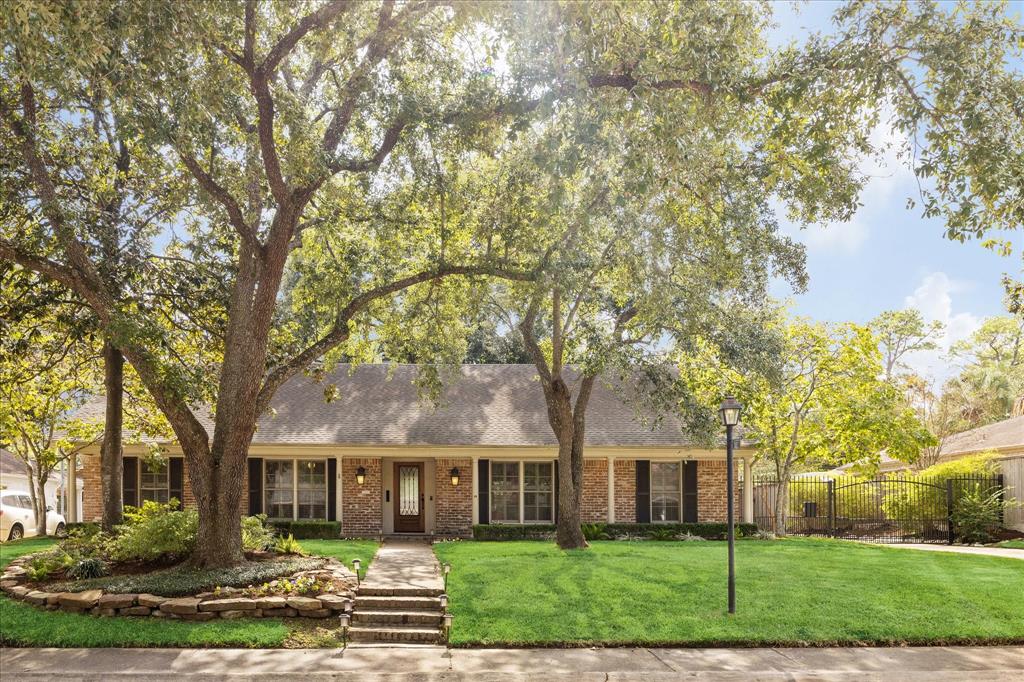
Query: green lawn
[(24, 625), (1011, 544), (791, 591)]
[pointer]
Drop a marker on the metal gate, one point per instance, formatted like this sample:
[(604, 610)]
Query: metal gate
[(886, 509)]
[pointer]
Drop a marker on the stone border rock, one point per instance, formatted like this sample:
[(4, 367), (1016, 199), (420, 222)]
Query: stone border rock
[(228, 603)]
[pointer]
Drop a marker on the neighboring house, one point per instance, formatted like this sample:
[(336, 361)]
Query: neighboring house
[(14, 477), (381, 460)]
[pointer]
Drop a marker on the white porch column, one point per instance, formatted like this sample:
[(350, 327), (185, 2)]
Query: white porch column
[(611, 490), (748, 492), (339, 496), (475, 493), (72, 489)]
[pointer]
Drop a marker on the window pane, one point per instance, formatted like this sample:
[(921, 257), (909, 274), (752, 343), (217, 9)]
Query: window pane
[(154, 482), (278, 483), (666, 491), (538, 491), (505, 492), (312, 489)]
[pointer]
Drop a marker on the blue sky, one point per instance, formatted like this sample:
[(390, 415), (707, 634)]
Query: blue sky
[(888, 256)]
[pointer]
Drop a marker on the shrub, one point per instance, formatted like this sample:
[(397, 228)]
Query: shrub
[(92, 567), (977, 514), (257, 535), (43, 565), (662, 534), (614, 531), (288, 545), (928, 501), (309, 530), (503, 532), (595, 531), (154, 531)]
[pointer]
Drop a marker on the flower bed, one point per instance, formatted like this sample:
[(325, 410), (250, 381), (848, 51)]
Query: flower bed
[(315, 593)]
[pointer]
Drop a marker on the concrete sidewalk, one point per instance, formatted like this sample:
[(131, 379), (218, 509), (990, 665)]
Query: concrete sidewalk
[(1005, 552), (427, 664)]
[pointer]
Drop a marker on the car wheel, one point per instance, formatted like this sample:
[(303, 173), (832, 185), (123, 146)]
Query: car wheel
[(17, 533), (60, 531)]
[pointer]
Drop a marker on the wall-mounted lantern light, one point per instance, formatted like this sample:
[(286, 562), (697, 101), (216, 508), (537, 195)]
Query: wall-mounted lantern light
[(455, 475), (360, 475)]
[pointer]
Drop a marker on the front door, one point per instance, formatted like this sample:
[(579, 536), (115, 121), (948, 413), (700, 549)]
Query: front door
[(409, 516)]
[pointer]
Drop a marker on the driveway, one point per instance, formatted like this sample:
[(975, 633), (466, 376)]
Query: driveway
[(427, 664)]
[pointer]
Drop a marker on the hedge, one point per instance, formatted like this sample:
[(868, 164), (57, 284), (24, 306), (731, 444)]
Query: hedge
[(309, 530), (711, 531)]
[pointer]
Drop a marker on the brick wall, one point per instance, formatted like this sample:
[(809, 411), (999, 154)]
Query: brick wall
[(595, 491), (92, 498), (625, 491), (711, 497), (362, 504), (453, 505)]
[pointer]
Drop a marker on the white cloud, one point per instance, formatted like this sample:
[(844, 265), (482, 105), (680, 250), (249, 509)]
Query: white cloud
[(886, 172), (934, 298)]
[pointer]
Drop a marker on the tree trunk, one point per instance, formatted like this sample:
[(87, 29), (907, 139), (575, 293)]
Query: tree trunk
[(218, 493), (781, 504), (39, 484), (111, 453), (568, 531)]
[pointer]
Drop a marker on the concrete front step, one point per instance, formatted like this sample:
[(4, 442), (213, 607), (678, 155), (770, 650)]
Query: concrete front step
[(430, 618), (409, 634), (397, 603), (371, 590)]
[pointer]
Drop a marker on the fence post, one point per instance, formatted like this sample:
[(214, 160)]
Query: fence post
[(831, 508), (949, 509)]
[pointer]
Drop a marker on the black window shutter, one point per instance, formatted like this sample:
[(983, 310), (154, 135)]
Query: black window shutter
[(643, 491), (483, 474), (332, 489), (690, 491), (255, 486), (176, 478), (555, 489), (130, 482)]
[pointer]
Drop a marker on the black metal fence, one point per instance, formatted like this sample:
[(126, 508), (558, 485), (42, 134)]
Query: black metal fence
[(894, 508)]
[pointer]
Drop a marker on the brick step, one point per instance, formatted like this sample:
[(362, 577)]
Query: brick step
[(395, 633), (370, 590), (397, 617), (397, 603)]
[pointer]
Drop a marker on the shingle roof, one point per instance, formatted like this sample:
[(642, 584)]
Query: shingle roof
[(1008, 433), (500, 405), (9, 464)]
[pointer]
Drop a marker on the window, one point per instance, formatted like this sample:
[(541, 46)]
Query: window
[(278, 482), (505, 492), (312, 489), (295, 489), (538, 491), (666, 491), (154, 482), (522, 492)]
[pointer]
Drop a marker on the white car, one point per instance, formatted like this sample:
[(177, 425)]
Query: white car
[(17, 520)]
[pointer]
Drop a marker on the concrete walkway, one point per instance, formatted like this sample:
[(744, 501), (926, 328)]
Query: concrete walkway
[(427, 664), (404, 564), (1004, 552)]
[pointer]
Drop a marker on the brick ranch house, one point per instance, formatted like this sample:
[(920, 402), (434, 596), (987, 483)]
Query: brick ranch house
[(380, 460)]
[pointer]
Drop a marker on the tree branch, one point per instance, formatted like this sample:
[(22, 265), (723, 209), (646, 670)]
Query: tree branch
[(314, 20), (222, 196), (339, 332)]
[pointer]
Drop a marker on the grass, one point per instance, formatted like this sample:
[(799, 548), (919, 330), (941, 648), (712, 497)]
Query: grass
[(25, 625), (794, 591), (1011, 544)]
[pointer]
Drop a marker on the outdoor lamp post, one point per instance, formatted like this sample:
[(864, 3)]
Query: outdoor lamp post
[(730, 411)]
